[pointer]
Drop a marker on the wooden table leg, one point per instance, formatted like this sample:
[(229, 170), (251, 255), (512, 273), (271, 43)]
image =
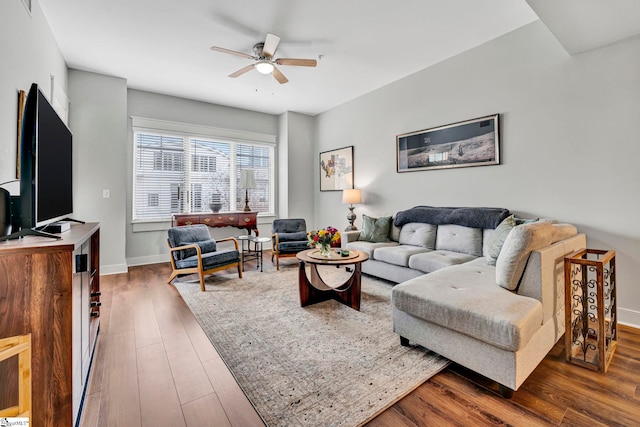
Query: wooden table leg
[(316, 290)]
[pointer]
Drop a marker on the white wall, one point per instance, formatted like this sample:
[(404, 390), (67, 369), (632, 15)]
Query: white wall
[(143, 247), (29, 54), (569, 141), (98, 116)]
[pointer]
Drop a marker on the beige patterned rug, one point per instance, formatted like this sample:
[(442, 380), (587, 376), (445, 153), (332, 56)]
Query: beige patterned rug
[(321, 365)]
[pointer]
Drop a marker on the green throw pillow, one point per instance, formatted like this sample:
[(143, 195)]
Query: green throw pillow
[(375, 229), (498, 237)]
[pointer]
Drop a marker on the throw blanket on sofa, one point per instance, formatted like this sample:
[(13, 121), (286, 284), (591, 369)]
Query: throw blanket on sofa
[(468, 217)]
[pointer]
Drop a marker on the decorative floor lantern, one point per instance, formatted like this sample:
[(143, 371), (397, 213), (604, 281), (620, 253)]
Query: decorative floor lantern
[(591, 324)]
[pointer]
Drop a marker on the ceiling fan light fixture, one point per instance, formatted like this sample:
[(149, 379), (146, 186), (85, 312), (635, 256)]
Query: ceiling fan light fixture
[(264, 67)]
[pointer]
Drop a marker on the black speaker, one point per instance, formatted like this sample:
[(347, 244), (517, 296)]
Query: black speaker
[(16, 214), (5, 213)]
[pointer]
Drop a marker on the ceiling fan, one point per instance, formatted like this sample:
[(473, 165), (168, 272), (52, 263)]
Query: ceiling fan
[(264, 60)]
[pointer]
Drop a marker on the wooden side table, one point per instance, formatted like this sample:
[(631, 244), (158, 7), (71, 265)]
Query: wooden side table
[(591, 334)]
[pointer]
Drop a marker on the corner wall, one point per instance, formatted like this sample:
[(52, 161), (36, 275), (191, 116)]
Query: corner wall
[(569, 144), (98, 116)]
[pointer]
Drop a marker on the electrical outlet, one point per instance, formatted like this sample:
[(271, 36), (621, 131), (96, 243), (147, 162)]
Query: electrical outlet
[(106, 194)]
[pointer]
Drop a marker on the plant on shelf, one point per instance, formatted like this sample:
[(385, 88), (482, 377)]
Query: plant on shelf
[(324, 239)]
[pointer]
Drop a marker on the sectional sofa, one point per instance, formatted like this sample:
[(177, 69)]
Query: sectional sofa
[(476, 285)]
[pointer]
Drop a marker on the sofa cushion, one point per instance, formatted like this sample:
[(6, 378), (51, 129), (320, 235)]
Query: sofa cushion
[(418, 234), (397, 255), (520, 242), (497, 239), (369, 247), (464, 298), (435, 260), (458, 238), (375, 229)]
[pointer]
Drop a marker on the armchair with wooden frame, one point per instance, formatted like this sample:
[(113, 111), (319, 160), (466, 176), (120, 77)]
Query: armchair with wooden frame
[(193, 251), (289, 236)]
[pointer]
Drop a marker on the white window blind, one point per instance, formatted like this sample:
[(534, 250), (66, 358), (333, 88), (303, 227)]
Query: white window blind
[(166, 165)]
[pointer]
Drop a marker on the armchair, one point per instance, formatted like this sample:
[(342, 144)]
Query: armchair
[(289, 236), (193, 250)]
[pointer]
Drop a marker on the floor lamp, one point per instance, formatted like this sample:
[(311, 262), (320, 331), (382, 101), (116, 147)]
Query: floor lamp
[(353, 196), (247, 181)]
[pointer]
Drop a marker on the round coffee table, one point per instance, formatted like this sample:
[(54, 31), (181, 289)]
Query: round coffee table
[(313, 289)]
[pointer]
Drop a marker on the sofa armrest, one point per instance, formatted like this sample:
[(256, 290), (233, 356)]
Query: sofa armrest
[(349, 236)]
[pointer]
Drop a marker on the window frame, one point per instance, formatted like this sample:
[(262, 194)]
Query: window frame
[(192, 131)]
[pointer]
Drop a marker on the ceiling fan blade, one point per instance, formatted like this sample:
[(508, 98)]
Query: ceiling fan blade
[(297, 62), (232, 52), (279, 76), (270, 45), (242, 71)]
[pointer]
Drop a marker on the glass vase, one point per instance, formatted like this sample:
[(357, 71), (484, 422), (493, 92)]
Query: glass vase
[(324, 249)]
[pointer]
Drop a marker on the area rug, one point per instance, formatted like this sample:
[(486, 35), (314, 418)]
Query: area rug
[(321, 365)]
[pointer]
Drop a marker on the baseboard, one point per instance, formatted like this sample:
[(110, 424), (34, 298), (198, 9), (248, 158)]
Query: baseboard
[(113, 269), (150, 259), (629, 318)]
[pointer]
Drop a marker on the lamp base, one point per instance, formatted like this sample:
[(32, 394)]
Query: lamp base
[(246, 201), (351, 217)]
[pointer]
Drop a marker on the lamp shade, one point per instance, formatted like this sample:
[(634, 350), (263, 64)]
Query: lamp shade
[(247, 179), (352, 197)]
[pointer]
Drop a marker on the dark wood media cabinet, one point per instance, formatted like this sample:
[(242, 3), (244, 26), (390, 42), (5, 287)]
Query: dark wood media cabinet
[(243, 220), (51, 290)]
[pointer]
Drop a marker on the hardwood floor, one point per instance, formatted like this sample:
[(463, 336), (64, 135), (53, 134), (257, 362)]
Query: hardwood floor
[(154, 366)]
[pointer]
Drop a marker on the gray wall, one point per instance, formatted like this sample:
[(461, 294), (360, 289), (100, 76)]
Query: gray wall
[(569, 141), (29, 54), (98, 116), (146, 243), (295, 157)]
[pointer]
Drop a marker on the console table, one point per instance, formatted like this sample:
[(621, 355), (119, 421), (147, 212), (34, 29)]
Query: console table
[(245, 220)]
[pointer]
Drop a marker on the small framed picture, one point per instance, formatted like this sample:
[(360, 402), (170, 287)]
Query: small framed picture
[(336, 169), (473, 142)]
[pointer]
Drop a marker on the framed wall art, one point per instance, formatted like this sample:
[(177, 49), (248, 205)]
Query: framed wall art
[(336, 169), (473, 142)]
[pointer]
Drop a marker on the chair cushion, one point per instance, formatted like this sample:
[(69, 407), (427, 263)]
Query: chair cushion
[(292, 247), (188, 233), (205, 247), (211, 260), (289, 225), (297, 236)]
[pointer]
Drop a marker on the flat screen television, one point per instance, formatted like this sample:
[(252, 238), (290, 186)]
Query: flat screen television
[(45, 165)]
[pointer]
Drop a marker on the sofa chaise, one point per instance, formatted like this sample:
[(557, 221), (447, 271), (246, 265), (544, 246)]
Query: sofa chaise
[(476, 285)]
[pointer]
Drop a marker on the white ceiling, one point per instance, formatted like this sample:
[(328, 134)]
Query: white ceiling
[(163, 45)]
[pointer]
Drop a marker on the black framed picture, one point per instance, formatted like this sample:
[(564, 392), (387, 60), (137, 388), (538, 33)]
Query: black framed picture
[(336, 169), (473, 142)]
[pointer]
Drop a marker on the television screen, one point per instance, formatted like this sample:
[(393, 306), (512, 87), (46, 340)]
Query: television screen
[(45, 164), (54, 198)]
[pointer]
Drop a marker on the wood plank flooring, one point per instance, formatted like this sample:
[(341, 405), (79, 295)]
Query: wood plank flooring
[(154, 366)]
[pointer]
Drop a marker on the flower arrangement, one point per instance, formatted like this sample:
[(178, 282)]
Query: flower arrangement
[(323, 238)]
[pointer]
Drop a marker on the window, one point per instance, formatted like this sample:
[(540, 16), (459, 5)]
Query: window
[(207, 161)]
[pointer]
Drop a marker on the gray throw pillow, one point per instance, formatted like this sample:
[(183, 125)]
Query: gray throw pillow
[(494, 245), (375, 229)]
